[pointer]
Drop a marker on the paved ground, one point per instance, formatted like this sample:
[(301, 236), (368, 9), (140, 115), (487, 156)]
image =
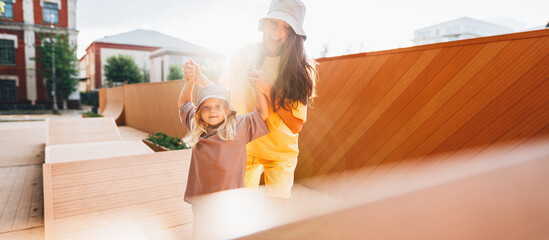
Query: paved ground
[(22, 142)]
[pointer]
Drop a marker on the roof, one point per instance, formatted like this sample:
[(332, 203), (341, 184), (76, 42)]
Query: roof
[(150, 38), (470, 21)]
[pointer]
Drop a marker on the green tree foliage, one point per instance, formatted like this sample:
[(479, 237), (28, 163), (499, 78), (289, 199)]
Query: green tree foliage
[(2, 4), (122, 68), (66, 64), (175, 73)]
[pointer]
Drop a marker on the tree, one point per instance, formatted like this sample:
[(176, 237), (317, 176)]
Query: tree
[(145, 72), (122, 68), (325, 49), (66, 62), (175, 73), (2, 4)]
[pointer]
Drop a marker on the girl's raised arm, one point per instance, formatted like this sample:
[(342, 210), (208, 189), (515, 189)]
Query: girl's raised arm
[(262, 89), (190, 78), (200, 78)]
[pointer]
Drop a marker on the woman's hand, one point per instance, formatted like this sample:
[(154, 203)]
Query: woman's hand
[(190, 72), (195, 73), (259, 82)]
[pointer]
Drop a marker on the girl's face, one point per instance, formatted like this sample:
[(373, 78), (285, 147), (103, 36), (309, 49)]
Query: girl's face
[(275, 34), (213, 111)]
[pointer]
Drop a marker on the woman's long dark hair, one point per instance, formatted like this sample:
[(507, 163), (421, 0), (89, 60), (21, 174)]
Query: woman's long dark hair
[(296, 75)]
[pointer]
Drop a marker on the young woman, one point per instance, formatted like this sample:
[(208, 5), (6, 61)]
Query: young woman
[(278, 66)]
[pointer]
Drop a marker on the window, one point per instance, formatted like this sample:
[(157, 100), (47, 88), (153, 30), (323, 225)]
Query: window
[(452, 30), (7, 91), (48, 10), (7, 52), (424, 34), (8, 9)]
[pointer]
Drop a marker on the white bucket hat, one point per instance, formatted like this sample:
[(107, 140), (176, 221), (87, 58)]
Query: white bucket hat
[(215, 91), (289, 11)]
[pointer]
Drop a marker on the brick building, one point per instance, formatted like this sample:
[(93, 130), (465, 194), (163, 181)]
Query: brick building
[(153, 52), (21, 85)]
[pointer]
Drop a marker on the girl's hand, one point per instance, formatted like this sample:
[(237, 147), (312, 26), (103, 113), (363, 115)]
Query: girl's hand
[(259, 82), (189, 71)]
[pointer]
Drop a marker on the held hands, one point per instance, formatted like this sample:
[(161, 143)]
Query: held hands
[(191, 71), (259, 82)]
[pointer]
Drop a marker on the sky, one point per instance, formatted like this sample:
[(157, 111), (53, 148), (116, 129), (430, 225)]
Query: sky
[(345, 26)]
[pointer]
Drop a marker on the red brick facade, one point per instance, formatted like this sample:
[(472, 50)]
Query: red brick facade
[(93, 52), (19, 26)]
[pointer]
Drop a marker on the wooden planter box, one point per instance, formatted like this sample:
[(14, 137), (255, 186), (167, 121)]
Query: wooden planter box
[(154, 147)]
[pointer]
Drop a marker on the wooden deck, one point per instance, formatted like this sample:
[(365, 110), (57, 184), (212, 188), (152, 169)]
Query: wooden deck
[(21, 143), (21, 194), (21, 198)]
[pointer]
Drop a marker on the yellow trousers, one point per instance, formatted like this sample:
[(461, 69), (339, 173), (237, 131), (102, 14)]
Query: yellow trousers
[(279, 175)]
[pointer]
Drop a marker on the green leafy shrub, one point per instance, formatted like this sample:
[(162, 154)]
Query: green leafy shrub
[(122, 68), (175, 73), (172, 143)]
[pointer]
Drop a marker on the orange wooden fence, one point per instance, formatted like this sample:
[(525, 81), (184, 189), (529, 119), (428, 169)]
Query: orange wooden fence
[(388, 106)]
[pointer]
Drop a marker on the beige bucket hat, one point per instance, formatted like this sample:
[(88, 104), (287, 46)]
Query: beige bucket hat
[(215, 91), (289, 11)]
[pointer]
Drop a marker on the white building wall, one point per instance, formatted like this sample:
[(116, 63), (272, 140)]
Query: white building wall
[(458, 29), (155, 71)]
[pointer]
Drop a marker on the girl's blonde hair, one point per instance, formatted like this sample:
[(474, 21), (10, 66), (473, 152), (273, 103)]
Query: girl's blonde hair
[(226, 131)]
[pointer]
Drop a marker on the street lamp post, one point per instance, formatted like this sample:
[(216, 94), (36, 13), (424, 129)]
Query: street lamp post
[(55, 110)]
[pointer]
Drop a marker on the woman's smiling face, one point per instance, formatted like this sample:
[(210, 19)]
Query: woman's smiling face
[(275, 34), (213, 111)]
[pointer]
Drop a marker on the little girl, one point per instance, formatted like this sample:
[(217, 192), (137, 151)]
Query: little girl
[(218, 138)]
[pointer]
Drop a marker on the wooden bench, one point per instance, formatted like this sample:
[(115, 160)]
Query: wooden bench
[(86, 151), (80, 130), (138, 196)]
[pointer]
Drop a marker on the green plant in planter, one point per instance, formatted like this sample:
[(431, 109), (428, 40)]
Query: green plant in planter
[(91, 114), (172, 143)]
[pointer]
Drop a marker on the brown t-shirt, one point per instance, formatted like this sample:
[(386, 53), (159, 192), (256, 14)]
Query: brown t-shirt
[(217, 164)]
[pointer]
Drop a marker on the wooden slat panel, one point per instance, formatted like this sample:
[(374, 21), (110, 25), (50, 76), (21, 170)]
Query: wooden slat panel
[(358, 80), (401, 110), (487, 85), (49, 233), (23, 212), (15, 187), (323, 122), (37, 203), (152, 107), (86, 151), (102, 99), (439, 99), (520, 101), (325, 68), (442, 106), (391, 76), (89, 198), (374, 90), (114, 106), (80, 130)]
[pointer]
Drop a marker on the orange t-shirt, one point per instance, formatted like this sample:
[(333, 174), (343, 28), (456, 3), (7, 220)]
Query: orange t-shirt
[(281, 142)]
